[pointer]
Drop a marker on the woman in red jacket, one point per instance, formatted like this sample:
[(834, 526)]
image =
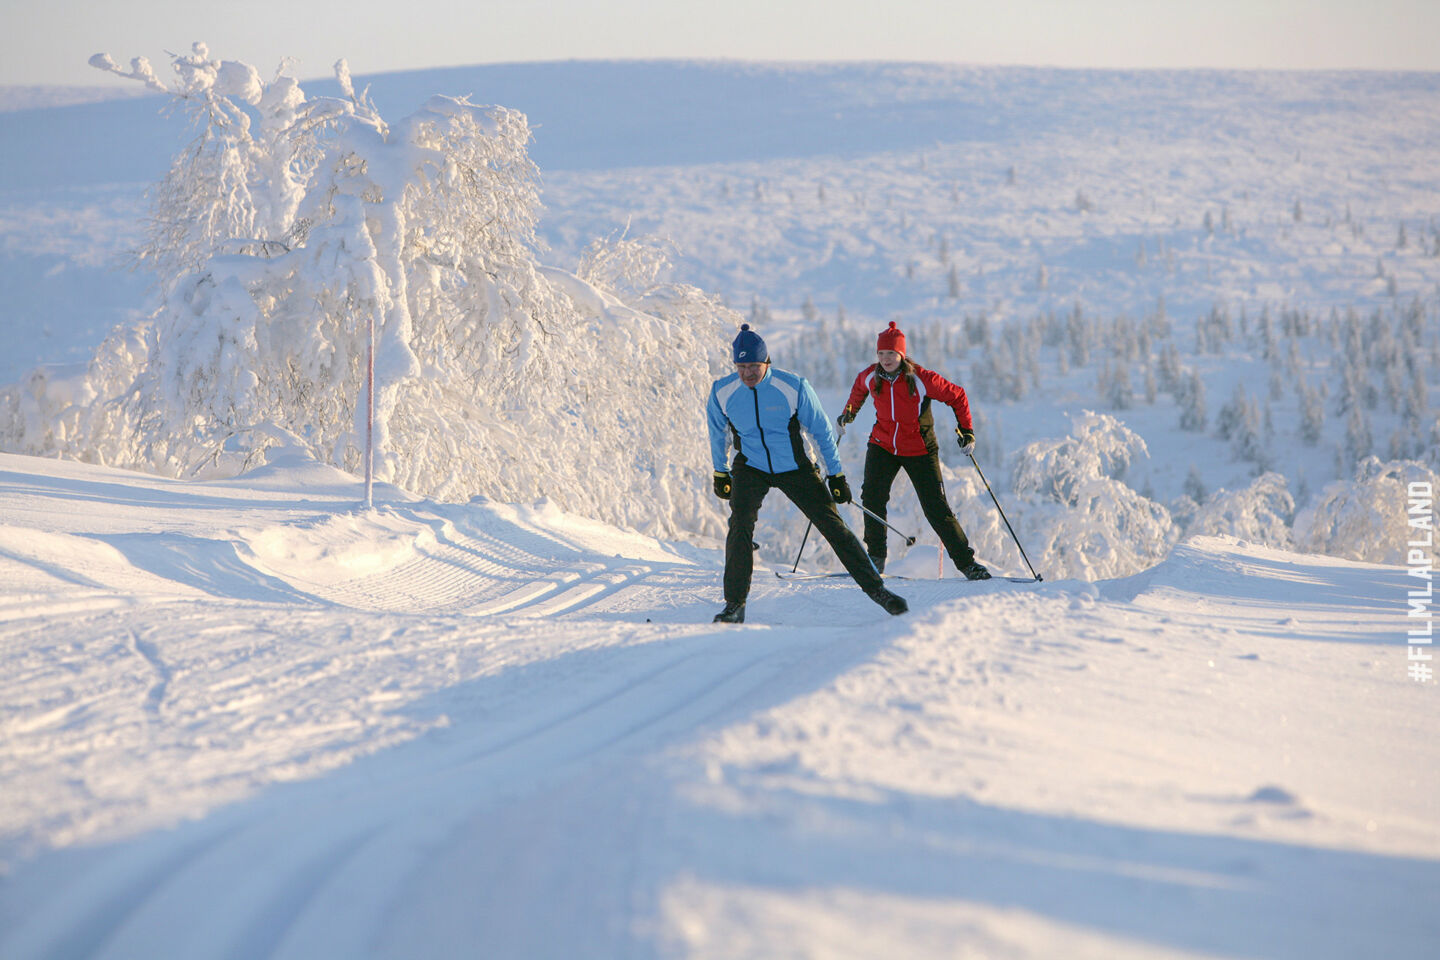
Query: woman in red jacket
[(904, 436)]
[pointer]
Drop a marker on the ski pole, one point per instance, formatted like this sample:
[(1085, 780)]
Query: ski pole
[(909, 540), (1038, 578), (802, 547)]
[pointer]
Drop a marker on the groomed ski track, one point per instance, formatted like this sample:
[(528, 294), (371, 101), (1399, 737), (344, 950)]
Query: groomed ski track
[(335, 867), (349, 864)]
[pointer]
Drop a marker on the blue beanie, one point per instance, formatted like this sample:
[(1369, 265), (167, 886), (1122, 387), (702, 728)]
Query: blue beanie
[(748, 347)]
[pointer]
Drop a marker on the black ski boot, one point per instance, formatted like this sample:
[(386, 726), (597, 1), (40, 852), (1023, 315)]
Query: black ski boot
[(975, 570), (879, 563), (893, 603), (733, 613)]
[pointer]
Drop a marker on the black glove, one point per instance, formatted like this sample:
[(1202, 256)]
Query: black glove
[(966, 439), (839, 488), (722, 484), (846, 418)]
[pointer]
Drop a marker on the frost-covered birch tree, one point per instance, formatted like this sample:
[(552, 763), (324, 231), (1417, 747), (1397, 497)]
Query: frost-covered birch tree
[(1364, 518), (1079, 513), (292, 225), (1261, 513), (239, 179)]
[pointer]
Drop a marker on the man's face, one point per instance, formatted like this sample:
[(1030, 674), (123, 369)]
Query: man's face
[(750, 373)]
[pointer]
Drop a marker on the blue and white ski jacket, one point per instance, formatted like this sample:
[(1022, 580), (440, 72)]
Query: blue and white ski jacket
[(765, 422)]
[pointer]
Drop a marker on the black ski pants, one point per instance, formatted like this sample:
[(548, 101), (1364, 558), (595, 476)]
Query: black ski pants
[(881, 466), (807, 491)]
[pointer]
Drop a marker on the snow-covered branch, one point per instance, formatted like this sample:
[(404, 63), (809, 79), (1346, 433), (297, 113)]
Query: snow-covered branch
[(290, 223)]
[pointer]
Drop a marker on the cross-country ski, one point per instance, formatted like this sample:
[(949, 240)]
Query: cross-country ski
[(792, 575)]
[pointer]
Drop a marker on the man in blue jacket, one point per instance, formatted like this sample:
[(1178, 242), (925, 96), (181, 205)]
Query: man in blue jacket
[(762, 411)]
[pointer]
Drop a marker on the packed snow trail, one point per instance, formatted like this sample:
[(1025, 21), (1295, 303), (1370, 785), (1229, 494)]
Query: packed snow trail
[(244, 719), (314, 869), (246, 613)]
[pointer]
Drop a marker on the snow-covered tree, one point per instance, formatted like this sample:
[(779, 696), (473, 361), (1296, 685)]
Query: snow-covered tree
[(809, 311), (1364, 518), (1170, 369), (1115, 387), (759, 316), (1079, 331), (1190, 397), (1195, 485), (1261, 513), (1124, 339), (1233, 415), (493, 375), (1312, 415), (1277, 384), (624, 266), (977, 329), (1359, 440), (1240, 422), (1078, 511), (237, 183), (1265, 335), (1010, 364), (1099, 445)]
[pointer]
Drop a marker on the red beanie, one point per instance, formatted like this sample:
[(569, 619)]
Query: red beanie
[(891, 339)]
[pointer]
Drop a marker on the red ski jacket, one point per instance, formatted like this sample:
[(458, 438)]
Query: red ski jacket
[(903, 424)]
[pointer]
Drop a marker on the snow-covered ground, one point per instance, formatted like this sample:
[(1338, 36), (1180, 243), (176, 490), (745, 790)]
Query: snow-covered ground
[(246, 719)]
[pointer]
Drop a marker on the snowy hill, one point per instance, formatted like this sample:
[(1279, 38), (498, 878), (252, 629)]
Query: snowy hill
[(247, 720), (1254, 223), (242, 717)]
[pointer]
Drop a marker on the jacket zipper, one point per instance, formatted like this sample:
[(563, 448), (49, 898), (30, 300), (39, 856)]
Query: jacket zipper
[(760, 427), (895, 438)]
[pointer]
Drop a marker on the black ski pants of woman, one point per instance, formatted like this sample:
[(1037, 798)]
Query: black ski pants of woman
[(807, 491), (881, 466)]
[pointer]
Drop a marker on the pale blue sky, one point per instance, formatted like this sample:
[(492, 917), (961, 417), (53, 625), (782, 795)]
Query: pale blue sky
[(49, 41)]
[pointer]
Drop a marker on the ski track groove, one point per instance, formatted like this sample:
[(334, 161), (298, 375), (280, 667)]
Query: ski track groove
[(481, 576), (126, 893), (290, 898), (155, 696), (628, 688), (344, 830), (24, 613), (459, 574), (322, 844), (601, 585)]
